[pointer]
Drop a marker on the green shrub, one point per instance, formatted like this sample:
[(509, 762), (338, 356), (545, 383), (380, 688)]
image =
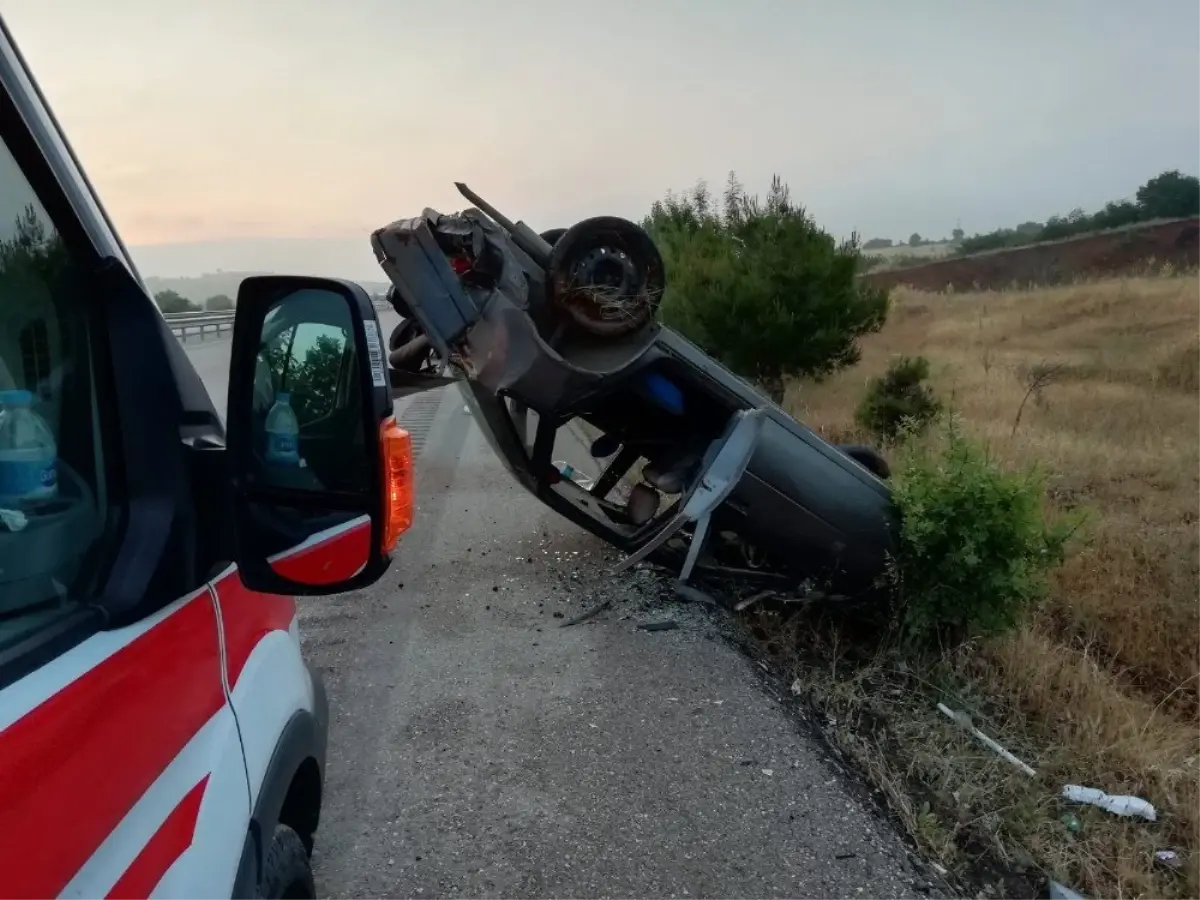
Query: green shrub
[(761, 287), (975, 547), (173, 302), (219, 303), (898, 400)]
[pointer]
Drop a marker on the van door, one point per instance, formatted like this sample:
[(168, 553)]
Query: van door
[(121, 772)]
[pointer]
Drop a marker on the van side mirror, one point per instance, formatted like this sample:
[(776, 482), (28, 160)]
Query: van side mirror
[(322, 475)]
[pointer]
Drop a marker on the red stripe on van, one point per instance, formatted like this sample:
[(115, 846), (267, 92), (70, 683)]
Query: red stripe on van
[(167, 845), (72, 767), (324, 559)]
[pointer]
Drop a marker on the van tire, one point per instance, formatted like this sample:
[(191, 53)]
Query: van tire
[(287, 870)]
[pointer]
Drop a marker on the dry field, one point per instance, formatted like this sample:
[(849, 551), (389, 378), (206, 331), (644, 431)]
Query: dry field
[(922, 251), (1102, 687)]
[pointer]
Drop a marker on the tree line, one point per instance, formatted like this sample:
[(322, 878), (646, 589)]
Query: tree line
[(1168, 195), (914, 240), (173, 302)]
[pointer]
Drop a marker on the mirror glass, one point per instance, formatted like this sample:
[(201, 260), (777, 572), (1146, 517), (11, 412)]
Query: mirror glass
[(307, 404)]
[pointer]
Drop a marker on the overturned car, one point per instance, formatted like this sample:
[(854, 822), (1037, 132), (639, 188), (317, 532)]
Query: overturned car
[(542, 330)]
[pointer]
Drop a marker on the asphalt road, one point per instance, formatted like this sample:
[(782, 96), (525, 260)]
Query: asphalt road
[(478, 749)]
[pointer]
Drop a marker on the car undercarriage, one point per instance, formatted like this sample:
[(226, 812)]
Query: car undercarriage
[(558, 329)]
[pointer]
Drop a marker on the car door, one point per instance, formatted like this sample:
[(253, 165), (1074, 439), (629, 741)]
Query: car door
[(121, 771)]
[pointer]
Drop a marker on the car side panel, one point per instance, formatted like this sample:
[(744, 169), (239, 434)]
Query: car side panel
[(270, 682), (98, 747)]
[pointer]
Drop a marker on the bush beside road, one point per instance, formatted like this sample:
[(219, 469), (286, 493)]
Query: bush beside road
[(1098, 683)]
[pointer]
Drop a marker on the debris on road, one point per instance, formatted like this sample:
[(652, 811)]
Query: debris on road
[(743, 605), (694, 595), (663, 625), (590, 614)]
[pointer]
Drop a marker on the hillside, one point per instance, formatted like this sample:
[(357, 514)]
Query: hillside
[(1100, 688), (1121, 250)]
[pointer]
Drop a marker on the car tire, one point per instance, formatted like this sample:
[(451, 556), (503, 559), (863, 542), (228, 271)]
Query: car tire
[(417, 354), (869, 458), (402, 334), (287, 870), (398, 304)]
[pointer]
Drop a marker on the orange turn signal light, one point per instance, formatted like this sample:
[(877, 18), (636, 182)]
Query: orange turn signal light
[(399, 476)]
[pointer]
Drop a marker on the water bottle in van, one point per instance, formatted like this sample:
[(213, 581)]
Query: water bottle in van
[(28, 452), (283, 433)]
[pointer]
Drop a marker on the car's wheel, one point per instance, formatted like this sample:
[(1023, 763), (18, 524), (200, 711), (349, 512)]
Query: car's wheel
[(606, 276), (402, 334), (869, 458), (409, 349), (398, 304), (287, 870), (551, 237)]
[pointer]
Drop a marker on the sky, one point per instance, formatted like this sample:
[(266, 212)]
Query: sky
[(255, 134)]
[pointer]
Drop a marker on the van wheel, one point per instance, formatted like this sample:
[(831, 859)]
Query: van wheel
[(287, 870)]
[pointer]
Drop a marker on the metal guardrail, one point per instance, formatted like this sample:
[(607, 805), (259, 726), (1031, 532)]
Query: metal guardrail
[(209, 325)]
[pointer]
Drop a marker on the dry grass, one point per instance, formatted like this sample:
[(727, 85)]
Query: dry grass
[(1103, 687)]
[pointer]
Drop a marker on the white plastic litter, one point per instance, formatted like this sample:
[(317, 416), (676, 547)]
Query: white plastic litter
[(569, 472), (1119, 805), (1168, 858), (1062, 892), (964, 721)]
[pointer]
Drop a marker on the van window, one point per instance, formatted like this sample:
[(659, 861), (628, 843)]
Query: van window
[(54, 497)]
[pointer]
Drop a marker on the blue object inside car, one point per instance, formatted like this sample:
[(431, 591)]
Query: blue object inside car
[(663, 392)]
